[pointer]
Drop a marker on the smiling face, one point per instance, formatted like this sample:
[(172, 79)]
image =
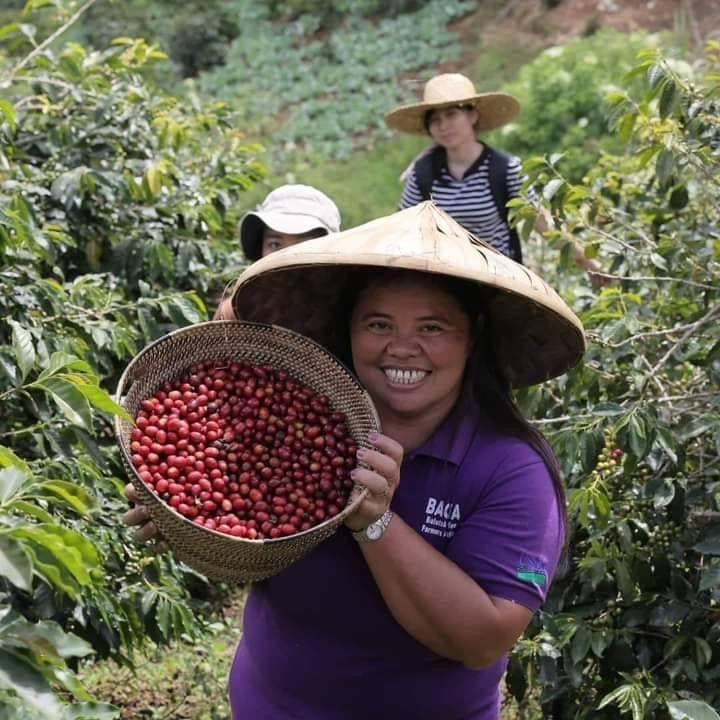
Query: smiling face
[(410, 341), (452, 127)]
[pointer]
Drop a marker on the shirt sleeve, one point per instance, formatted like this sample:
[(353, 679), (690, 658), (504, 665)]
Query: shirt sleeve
[(411, 194), (511, 541)]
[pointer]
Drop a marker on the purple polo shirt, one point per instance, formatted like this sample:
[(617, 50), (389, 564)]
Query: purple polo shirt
[(318, 640)]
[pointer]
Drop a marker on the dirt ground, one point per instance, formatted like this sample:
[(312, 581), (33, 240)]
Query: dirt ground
[(699, 18)]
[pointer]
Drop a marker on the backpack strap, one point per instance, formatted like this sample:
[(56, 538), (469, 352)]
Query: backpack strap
[(427, 168), (430, 165), (497, 172)]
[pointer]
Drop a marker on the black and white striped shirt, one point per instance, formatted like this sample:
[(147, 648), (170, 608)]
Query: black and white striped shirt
[(469, 201)]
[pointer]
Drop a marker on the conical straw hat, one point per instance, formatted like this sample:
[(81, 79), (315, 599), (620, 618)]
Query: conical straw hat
[(449, 90), (534, 334)]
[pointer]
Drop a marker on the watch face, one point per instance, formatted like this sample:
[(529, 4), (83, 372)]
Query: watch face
[(374, 531)]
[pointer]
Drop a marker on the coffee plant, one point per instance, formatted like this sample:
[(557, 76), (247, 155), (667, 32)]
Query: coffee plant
[(118, 212), (632, 625)]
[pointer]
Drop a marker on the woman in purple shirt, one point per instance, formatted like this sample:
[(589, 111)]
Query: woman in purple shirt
[(409, 612)]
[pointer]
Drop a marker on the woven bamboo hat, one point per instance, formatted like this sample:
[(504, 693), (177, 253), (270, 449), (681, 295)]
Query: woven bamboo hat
[(534, 334), (452, 89)]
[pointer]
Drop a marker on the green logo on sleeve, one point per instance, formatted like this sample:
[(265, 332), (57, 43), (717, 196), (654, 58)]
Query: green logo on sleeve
[(532, 570)]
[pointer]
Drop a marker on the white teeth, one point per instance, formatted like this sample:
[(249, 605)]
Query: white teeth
[(404, 377)]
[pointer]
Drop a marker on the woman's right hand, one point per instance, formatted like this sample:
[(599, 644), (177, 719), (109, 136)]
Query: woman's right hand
[(138, 515)]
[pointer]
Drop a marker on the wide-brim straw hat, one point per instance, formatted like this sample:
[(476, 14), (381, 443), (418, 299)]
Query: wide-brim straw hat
[(494, 109), (534, 334)]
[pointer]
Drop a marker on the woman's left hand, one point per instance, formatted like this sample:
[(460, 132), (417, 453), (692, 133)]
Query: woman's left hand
[(381, 478)]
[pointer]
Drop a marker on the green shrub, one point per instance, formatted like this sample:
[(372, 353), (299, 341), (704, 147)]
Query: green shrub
[(118, 213), (632, 624), (323, 96), (330, 14), (562, 93), (195, 36)]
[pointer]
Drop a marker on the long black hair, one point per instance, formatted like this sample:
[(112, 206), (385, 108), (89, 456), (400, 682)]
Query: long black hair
[(483, 377)]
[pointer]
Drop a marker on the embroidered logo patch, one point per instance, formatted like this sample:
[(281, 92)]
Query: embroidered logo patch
[(532, 570)]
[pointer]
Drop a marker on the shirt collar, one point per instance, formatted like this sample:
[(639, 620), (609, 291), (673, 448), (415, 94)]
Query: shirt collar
[(452, 438), (479, 160)]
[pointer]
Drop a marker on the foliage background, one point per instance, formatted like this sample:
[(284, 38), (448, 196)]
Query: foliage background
[(120, 189)]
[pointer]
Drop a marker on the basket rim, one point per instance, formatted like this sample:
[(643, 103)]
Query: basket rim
[(358, 493)]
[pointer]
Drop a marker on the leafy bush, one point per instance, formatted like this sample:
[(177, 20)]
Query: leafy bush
[(118, 212), (195, 38), (562, 93), (330, 14), (320, 95), (632, 627)]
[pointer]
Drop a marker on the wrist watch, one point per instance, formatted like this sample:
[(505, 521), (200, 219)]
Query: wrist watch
[(375, 530)]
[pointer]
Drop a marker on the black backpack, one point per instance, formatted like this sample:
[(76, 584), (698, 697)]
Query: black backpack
[(430, 166)]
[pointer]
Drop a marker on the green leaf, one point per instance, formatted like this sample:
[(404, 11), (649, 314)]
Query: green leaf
[(73, 494), (626, 126), (5, 31), (591, 445), (637, 434), (666, 440), (664, 166), (15, 564), (668, 98), (11, 481), (581, 643), (656, 74), (551, 188), (645, 155), (7, 111), (600, 642), (710, 578), (691, 710), (162, 616), (44, 639), (150, 327), (25, 679), (70, 401), (663, 491), (608, 409), (64, 361), (703, 651), (182, 311), (20, 506), (9, 459), (101, 400), (711, 546), (23, 348), (61, 555), (658, 261), (31, 5), (699, 426), (619, 696), (625, 583)]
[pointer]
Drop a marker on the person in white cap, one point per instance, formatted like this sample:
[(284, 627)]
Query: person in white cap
[(288, 215), (467, 178)]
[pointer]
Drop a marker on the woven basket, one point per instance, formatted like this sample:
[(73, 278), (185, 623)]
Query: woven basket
[(214, 554)]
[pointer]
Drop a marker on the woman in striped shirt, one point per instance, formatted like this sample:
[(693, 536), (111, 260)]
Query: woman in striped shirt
[(468, 179)]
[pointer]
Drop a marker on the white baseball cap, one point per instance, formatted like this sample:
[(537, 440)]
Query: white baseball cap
[(289, 209)]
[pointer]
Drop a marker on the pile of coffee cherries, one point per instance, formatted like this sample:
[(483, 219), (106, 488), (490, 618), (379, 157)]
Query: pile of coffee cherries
[(245, 450)]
